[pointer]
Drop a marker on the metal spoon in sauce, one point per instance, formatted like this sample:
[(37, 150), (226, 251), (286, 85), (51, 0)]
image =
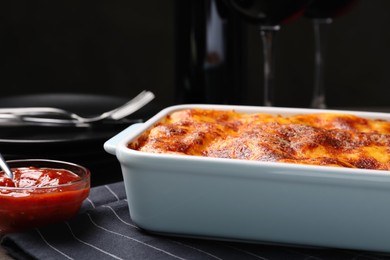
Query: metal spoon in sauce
[(6, 169)]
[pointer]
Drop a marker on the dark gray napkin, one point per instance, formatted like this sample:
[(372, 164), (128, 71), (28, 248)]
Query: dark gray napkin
[(104, 230)]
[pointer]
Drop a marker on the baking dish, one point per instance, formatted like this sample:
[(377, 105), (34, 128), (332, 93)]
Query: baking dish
[(260, 202)]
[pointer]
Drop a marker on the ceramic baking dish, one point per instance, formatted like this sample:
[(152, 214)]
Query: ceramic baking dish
[(254, 201)]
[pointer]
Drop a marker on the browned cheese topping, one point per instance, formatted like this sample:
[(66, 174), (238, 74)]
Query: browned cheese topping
[(318, 139)]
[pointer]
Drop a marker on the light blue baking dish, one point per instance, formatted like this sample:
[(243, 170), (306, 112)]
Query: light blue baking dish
[(254, 201)]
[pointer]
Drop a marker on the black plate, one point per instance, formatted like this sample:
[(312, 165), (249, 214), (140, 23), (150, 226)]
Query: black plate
[(79, 145), (82, 104)]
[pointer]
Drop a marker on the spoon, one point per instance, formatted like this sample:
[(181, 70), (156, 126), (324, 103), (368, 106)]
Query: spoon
[(6, 169), (50, 116)]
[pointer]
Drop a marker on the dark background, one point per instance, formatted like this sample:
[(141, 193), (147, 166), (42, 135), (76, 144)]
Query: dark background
[(122, 47)]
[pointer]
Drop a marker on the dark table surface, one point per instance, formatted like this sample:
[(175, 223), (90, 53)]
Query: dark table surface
[(104, 230)]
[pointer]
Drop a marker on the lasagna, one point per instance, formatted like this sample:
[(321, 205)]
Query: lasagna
[(328, 139)]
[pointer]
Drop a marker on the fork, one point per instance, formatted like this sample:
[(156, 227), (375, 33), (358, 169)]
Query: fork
[(60, 117)]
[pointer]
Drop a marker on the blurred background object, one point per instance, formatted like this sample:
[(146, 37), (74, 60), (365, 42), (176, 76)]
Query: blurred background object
[(322, 13), (122, 47), (268, 16)]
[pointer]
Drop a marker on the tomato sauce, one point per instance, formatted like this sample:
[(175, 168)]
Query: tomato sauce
[(39, 196)]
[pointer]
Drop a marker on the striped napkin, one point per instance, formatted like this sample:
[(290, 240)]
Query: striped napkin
[(104, 230)]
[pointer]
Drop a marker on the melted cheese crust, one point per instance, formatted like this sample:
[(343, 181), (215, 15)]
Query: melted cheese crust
[(340, 140)]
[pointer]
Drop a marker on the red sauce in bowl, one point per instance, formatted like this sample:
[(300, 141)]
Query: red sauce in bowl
[(39, 196), (25, 177)]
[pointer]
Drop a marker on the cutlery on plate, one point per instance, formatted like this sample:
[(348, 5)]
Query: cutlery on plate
[(51, 116)]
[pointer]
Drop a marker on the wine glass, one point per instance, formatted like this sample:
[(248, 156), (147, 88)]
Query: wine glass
[(268, 15), (322, 12)]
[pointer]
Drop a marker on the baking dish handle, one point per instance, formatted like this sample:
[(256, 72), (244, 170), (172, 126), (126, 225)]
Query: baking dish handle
[(111, 144)]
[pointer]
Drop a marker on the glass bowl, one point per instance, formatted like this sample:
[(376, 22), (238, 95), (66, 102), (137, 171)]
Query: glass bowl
[(29, 207)]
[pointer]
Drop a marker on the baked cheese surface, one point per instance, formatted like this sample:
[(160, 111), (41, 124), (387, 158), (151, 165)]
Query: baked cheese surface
[(328, 139)]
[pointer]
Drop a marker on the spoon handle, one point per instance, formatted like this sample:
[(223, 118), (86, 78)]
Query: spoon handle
[(6, 169)]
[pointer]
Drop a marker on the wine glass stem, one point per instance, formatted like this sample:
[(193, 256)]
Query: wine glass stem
[(320, 26), (268, 34)]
